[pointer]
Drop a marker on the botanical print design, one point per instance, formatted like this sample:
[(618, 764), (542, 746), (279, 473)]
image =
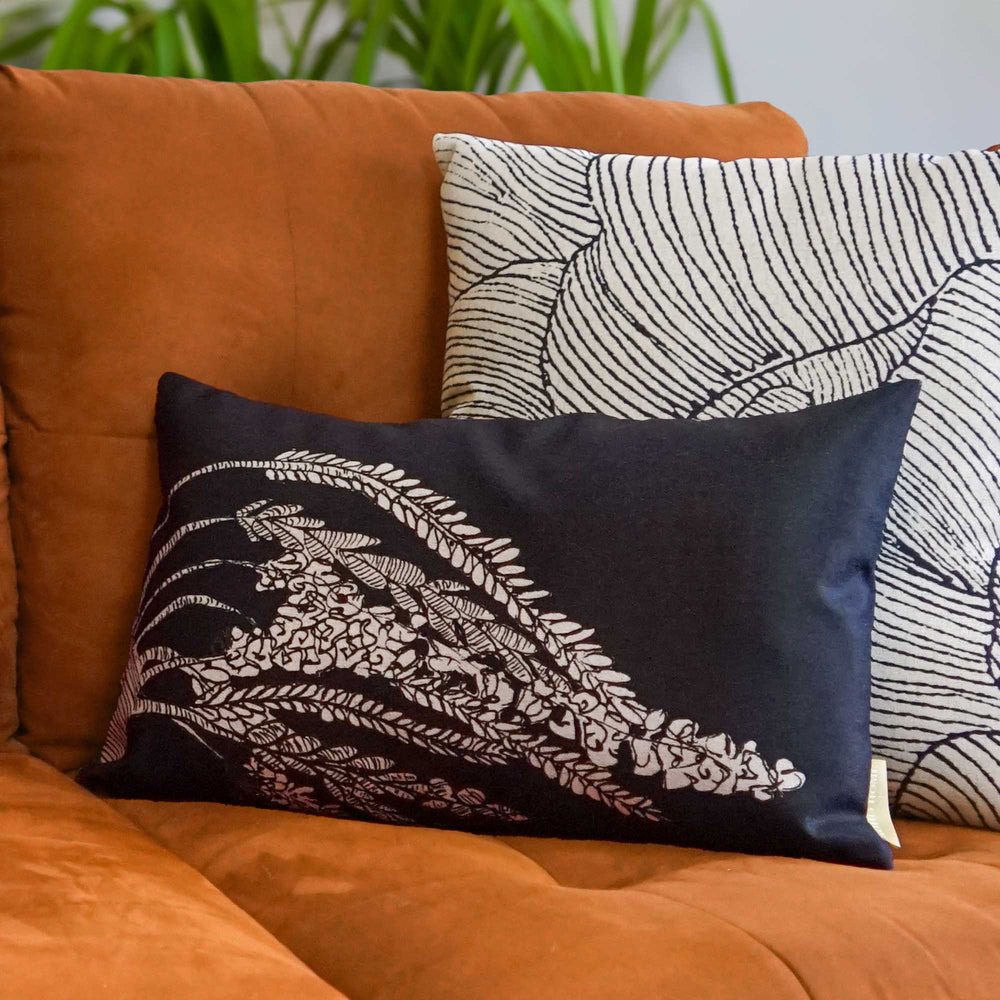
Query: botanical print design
[(489, 675), (657, 286)]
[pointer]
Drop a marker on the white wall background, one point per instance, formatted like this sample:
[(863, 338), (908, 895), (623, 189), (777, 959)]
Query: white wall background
[(859, 75)]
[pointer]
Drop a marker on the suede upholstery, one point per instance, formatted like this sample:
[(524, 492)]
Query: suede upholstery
[(91, 907), (282, 240), (203, 901), (393, 912), (8, 598)]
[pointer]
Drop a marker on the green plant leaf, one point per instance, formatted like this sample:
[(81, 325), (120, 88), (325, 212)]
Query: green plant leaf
[(69, 40), (28, 42), (168, 48), (552, 44), (298, 53), (237, 25), (142, 54), (722, 67), (373, 38), (225, 34), (24, 10), (23, 28), (492, 73), (107, 50), (608, 46), (640, 42), (275, 7), (567, 33), (408, 50), (446, 44), (189, 45), (202, 35), (503, 51), (483, 29), (514, 80), (328, 52), (441, 21), (414, 22), (672, 25)]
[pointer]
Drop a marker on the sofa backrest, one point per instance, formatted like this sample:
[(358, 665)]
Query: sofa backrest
[(282, 240)]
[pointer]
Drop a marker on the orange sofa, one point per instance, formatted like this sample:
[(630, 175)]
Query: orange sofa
[(283, 240)]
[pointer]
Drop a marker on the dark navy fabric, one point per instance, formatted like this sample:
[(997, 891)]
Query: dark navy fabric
[(653, 630)]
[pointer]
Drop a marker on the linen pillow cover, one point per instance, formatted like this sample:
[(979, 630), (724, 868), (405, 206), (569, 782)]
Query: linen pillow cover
[(322, 628), (656, 286)]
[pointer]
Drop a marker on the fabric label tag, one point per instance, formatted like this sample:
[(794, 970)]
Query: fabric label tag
[(878, 802)]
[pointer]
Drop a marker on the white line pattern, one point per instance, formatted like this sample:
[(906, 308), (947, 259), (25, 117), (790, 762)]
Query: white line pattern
[(665, 287)]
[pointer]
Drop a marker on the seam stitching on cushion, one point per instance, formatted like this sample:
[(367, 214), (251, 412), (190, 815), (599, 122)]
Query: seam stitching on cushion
[(533, 861), (23, 429), (943, 981), (951, 857), (291, 238), (162, 844), (806, 992)]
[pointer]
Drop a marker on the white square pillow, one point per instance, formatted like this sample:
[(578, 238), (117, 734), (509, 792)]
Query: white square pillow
[(657, 286)]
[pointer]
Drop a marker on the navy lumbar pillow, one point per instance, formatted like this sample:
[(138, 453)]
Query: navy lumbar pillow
[(634, 630)]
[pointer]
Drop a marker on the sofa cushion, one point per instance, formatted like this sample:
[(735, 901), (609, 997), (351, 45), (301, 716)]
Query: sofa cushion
[(438, 915), (92, 907), (283, 238), (8, 602)]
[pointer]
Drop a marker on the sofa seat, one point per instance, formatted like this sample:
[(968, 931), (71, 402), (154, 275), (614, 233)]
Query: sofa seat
[(385, 912), (163, 900), (92, 907)]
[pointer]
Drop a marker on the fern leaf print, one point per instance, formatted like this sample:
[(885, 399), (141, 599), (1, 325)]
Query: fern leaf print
[(505, 677)]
